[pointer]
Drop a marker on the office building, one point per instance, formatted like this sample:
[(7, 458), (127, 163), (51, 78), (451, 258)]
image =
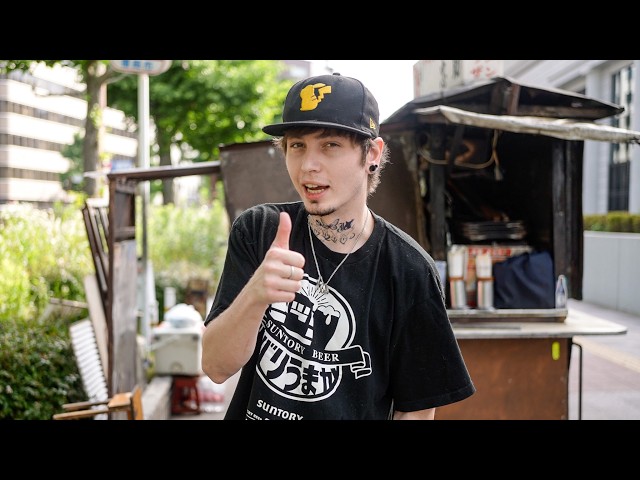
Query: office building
[(40, 113)]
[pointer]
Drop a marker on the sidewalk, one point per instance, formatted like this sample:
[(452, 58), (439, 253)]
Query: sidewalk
[(622, 349), (610, 371), (611, 368)]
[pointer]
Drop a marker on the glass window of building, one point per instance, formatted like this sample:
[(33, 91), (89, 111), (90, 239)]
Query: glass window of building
[(620, 160)]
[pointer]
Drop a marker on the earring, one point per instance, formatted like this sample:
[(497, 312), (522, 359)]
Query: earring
[(373, 168)]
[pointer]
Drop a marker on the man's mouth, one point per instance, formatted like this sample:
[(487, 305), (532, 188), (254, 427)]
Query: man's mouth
[(313, 188)]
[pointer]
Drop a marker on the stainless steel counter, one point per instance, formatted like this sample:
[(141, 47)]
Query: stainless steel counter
[(547, 323)]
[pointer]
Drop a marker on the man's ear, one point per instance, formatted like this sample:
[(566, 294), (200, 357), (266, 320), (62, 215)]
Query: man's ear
[(376, 149)]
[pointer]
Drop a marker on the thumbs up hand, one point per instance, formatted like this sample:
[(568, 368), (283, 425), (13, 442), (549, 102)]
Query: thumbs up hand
[(277, 279), (283, 233)]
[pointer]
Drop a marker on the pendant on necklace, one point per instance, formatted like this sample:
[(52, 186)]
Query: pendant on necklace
[(322, 287)]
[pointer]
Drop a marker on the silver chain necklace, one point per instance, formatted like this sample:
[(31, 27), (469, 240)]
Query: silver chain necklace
[(322, 286)]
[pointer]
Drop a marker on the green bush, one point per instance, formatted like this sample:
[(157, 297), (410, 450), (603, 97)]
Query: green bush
[(618, 222), (186, 243), (38, 372), (615, 221), (594, 223), (44, 253)]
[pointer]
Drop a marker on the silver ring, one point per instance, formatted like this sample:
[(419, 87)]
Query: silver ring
[(291, 275)]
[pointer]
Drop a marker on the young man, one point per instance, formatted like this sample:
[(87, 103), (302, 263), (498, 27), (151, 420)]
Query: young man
[(330, 311)]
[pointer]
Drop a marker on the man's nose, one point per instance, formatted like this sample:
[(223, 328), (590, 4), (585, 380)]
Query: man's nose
[(310, 162)]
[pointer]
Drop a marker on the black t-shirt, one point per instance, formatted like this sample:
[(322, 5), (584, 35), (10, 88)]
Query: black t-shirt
[(379, 340)]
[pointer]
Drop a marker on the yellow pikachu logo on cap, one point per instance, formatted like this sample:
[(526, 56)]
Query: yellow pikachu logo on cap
[(310, 99)]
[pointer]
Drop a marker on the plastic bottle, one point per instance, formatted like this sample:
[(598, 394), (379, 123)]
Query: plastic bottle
[(561, 292)]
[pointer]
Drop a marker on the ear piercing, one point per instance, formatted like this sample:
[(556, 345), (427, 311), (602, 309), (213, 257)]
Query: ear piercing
[(373, 168)]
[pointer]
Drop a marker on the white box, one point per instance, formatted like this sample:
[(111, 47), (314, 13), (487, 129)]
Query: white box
[(178, 351)]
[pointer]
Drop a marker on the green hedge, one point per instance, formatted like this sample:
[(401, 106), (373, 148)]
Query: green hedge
[(615, 221), (38, 372)]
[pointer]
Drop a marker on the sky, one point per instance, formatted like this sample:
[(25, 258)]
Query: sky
[(390, 81)]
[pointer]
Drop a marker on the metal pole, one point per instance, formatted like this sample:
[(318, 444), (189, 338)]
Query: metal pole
[(143, 154)]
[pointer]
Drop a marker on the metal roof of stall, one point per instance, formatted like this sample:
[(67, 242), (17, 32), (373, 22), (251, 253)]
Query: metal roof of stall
[(504, 104)]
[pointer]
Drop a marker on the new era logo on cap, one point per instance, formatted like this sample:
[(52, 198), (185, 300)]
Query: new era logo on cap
[(329, 101)]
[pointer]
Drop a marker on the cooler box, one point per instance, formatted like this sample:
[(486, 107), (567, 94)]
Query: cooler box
[(177, 342)]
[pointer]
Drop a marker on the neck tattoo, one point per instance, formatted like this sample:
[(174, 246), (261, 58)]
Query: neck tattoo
[(336, 231), (322, 286)]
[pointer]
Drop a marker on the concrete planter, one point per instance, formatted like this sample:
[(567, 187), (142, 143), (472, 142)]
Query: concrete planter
[(611, 276)]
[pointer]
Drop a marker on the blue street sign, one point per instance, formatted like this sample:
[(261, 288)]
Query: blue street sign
[(150, 67)]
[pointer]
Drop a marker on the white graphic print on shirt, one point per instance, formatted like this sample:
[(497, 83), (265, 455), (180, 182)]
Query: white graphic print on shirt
[(307, 343)]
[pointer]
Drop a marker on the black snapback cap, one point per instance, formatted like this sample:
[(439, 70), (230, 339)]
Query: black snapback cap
[(329, 101)]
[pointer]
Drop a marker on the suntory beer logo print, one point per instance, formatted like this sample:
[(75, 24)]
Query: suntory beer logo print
[(307, 345), (312, 95)]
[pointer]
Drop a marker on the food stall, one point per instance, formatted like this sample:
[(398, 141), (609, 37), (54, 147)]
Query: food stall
[(488, 179), (495, 175)]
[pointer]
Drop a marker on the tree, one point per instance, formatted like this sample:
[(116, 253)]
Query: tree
[(197, 105), (95, 75), (73, 179)]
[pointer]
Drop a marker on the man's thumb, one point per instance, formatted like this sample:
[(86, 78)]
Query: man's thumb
[(284, 231)]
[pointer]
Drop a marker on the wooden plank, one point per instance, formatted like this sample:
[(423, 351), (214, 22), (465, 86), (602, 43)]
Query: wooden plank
[(124, 353), (98, 318), (125, 405), (94, 213), (437, 195)]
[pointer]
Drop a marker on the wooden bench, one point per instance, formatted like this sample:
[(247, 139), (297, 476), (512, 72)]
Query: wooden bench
[(128, 402)]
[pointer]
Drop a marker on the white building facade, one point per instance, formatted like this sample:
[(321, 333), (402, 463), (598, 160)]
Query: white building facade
[(40, 113), (611, 176)]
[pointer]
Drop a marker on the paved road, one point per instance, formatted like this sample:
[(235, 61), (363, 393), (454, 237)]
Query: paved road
[(610, 372)]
